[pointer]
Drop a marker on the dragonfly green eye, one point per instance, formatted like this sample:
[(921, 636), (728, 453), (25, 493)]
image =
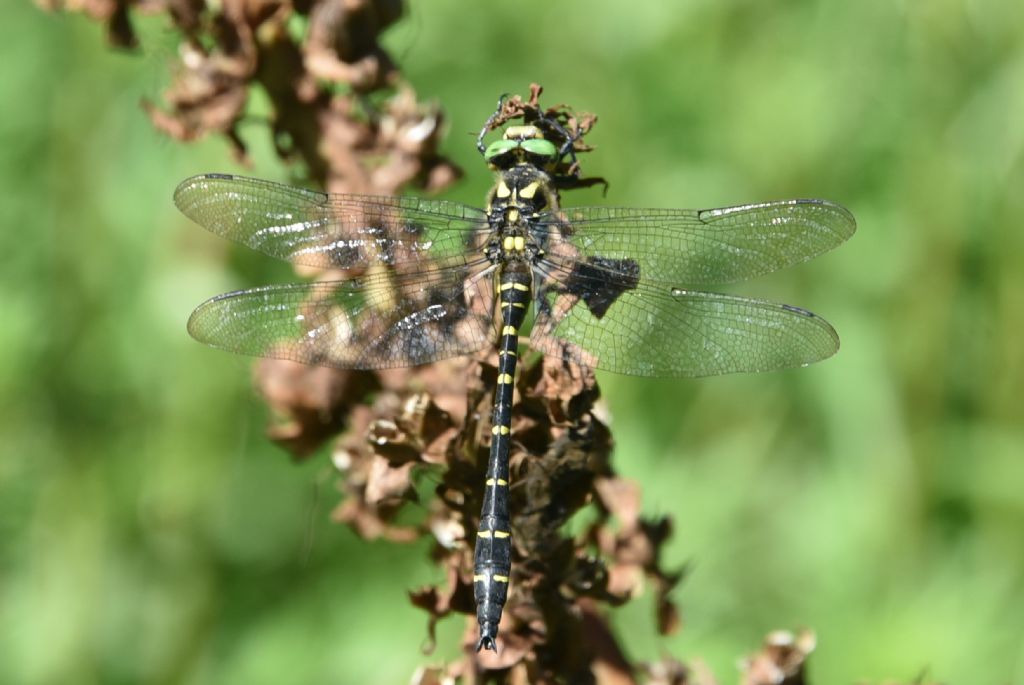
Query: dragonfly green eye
[(540, 147), (499, 148)]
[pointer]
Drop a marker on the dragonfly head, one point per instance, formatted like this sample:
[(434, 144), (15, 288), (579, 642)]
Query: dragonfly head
[(521, 145)]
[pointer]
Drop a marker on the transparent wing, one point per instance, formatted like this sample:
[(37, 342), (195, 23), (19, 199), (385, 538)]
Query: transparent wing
[(700, 247), (634, 328), (317, 229), (381, 321)]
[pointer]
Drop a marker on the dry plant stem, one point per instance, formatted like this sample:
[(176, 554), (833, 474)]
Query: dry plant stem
[(337, 105)]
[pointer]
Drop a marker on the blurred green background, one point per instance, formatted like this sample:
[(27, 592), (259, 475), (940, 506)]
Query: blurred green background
[(150, 534)]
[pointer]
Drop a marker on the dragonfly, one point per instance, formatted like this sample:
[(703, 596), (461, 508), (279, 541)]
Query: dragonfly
[(619, 289)]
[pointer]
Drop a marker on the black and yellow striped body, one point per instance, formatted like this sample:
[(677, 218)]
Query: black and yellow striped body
[(521, 192), (492, 560)]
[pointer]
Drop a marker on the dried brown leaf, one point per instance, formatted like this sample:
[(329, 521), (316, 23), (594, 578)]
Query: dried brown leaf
[(781, 659)]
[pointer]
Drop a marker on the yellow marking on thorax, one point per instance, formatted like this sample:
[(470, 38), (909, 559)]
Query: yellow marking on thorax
[(502, 190), (514, 243), (513, 215), (530, 190)]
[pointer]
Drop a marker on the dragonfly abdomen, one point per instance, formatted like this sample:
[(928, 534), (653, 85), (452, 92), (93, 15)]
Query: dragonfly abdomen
[(492, 558)]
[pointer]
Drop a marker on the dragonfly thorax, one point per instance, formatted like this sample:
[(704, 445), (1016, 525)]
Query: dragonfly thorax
[(519, 196)]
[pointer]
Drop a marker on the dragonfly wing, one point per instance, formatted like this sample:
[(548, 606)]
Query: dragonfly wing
[(329, 231), (700, 247), (623, 325), (382, 321)]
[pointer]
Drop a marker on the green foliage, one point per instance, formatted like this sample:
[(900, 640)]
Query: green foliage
[(150, 533)]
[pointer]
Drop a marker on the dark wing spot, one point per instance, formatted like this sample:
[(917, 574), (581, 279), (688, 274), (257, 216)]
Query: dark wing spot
[(413, 228), (600, 281)]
